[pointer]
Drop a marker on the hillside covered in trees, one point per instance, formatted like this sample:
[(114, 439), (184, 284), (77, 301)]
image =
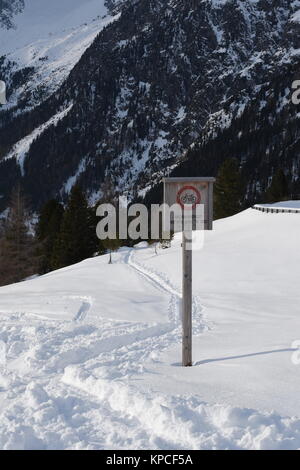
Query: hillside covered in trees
[(166, 87)]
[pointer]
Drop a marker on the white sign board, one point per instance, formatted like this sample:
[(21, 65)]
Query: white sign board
[(190, 192)]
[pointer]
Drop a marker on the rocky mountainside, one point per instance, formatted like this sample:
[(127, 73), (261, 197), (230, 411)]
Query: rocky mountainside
[(8, 9), (166, 87)]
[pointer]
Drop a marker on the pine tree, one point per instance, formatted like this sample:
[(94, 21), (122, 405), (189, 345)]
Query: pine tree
[(76, 240), (18, 253), (228, 190), (279, 189), (47, 232)]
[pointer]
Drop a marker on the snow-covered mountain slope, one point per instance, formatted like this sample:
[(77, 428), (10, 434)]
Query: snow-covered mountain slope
[(45, 41), (168, 83), (93, 350)]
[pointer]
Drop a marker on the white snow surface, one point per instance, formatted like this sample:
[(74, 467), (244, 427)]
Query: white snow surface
[(93, 350), (51, 36), (282, 205)]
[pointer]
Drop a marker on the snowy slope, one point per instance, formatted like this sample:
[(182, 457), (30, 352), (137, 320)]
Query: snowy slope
[(50, 37), (20, 150), (93, 350)]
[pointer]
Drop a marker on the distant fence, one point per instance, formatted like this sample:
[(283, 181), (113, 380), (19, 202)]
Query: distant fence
[(276, 210)]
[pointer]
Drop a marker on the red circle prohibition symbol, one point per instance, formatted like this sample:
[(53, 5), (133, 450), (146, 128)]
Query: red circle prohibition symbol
[(188, 201)]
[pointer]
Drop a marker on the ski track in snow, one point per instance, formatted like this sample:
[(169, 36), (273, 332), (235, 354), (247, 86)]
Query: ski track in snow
[(160, 281), (57, 349), (67, 385)]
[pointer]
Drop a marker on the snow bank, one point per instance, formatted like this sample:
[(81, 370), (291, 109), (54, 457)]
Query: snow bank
[(282, 205), (187, 423)]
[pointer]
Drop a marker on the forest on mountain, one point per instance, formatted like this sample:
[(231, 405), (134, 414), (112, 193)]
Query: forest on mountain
[(165, 90)]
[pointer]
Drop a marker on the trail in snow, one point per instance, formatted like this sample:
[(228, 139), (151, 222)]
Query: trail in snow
[(54, 405), (57, 415), (186, 422), (161, 281), (92, 364), (37, 379), (157, 279)]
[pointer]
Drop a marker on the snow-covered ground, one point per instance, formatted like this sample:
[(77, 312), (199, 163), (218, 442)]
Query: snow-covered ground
[(93, 350), (282, 205)]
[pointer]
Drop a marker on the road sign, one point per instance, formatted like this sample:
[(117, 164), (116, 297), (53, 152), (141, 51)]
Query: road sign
[(189, 193), (188, 196)]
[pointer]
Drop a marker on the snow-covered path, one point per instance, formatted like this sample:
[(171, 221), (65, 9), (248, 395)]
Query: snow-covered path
[(46, 354), (93, 350)]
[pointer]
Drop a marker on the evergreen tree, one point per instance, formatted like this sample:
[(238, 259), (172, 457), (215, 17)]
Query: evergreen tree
[(47, 232), (18, 254), (228, 190), (279, 189), (76, 240)]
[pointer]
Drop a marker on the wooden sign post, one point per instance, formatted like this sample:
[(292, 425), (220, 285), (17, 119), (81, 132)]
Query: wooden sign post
[(187, 300), (189, 193)]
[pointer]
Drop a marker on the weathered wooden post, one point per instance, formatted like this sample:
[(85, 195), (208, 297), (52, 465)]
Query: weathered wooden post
[(189, 193), (187, 299)]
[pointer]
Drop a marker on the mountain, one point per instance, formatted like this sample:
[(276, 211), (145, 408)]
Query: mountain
[(43, 43), (166, 87)]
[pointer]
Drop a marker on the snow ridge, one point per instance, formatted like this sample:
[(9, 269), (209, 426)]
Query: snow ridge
[(21, 148), (187, 423)]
